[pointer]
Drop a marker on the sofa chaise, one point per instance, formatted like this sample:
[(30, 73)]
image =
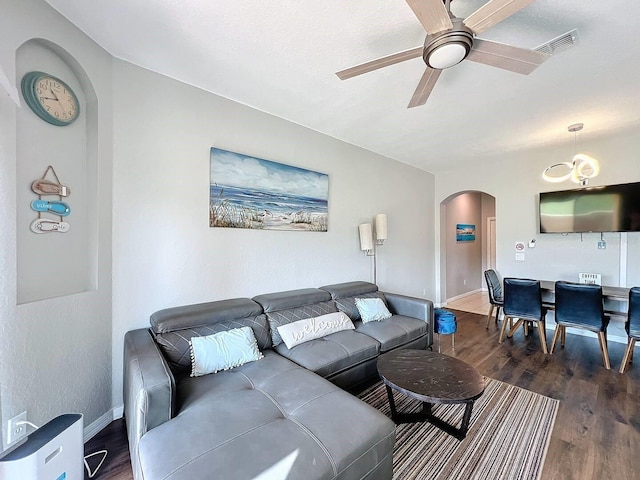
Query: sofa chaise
[(287, 415)]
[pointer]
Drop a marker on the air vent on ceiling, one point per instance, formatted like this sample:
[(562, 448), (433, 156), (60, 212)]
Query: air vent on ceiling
[(559, 44)]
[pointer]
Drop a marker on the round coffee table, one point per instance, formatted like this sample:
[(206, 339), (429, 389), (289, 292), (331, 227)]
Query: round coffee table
[(431, 378)]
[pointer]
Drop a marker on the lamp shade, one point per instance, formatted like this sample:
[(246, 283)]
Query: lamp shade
[(381, 226), (366, 237)]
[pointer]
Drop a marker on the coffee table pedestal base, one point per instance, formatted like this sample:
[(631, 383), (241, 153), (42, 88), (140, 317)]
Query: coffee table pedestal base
[(427, 416)]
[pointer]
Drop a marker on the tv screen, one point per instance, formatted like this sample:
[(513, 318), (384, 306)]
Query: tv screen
[(612, 208)]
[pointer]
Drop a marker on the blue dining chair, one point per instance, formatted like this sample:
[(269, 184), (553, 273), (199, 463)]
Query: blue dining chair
[(494, 285), (580, 306), (523, 300), (632, 326)]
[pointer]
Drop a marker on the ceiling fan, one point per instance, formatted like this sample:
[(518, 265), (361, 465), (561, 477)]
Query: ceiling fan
[(451, 40)]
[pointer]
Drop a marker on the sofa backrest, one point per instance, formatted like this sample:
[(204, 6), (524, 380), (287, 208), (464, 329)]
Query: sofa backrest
[(345, 294), (282, 308), (174, 327)]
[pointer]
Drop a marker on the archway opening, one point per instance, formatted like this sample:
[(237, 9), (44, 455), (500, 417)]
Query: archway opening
[(467, 248)]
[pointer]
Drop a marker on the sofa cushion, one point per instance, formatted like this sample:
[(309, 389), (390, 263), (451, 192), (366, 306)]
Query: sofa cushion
[(393, 332), (350, 289), (174, 327), (295, 333), (372, 309), (345, 294), (272, 302), (332, 354), (223, 351), (283, 308), (240, 423)]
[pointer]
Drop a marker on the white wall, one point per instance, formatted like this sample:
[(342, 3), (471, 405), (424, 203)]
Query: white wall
[(515, 181), (55, 355), (165, 254)]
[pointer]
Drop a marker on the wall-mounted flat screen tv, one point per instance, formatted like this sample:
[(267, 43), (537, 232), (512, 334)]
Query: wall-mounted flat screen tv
[(612, 208)]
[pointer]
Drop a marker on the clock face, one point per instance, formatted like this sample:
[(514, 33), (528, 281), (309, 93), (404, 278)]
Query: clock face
[(50, 98)]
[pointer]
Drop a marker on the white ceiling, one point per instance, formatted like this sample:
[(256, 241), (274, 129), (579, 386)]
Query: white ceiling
[(281, 56)]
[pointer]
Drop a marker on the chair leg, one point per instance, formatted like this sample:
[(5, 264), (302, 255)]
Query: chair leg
[(503, 329), (602, 337), (564, 336), (514, 327), (543, 337), (490, 315), (555, 339), (526, 329), (627, 354)]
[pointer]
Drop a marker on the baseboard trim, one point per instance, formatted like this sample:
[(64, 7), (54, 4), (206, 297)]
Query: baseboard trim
[(101, 422), (98, 424), (118, 412), (462, 295)]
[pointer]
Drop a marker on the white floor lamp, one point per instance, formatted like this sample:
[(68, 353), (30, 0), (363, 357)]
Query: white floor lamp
[(367, 243)]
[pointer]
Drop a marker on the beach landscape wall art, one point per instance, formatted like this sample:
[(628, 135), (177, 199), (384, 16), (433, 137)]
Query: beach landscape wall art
[(250, 192), (465, 232)]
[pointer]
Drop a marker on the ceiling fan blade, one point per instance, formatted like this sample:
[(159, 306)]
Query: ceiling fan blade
[(427, 82), (380, 63), (432, 14), (507, 57), (493, 12)]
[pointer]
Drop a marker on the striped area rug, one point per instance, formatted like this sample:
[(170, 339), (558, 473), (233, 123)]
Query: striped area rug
[(508, 436)]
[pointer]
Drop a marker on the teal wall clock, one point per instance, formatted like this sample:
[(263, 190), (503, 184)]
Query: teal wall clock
[(50, 98)]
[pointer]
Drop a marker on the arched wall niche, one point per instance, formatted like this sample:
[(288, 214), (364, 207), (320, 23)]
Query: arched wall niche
[(462, 263), (51, 265)]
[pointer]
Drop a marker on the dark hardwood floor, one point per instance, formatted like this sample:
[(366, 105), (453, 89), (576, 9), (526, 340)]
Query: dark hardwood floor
[(117, 465), (597, 430)]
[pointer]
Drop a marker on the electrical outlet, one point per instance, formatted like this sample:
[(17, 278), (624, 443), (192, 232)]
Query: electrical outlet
[(16, 431)]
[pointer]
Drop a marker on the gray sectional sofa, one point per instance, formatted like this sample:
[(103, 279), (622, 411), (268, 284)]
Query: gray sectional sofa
[(287, 412)]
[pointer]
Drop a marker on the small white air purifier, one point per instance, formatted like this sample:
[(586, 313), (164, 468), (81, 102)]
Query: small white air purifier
[(54, 451)]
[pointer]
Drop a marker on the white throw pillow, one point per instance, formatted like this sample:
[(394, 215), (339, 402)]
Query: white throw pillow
[(223, 351), (372, 309), (295, 333)]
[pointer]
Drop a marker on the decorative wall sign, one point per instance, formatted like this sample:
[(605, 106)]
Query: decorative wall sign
[(250, 192), (590, 278), (44, 187), (45, 225), (465, 232), (59, 208)]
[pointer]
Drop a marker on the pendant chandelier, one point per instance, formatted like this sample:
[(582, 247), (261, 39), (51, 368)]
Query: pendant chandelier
[(580, 170)]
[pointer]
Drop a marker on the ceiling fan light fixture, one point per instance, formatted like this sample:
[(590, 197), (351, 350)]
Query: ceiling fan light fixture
[(449, 48), (447, 55)]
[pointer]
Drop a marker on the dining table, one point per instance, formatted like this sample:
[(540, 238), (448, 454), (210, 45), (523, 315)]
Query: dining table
[(616, 299)]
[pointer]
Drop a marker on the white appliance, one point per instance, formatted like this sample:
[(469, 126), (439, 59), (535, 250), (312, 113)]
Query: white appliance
[(54, 451)]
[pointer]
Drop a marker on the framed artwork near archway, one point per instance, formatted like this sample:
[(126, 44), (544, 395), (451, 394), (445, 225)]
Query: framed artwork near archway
[(465, 232)]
